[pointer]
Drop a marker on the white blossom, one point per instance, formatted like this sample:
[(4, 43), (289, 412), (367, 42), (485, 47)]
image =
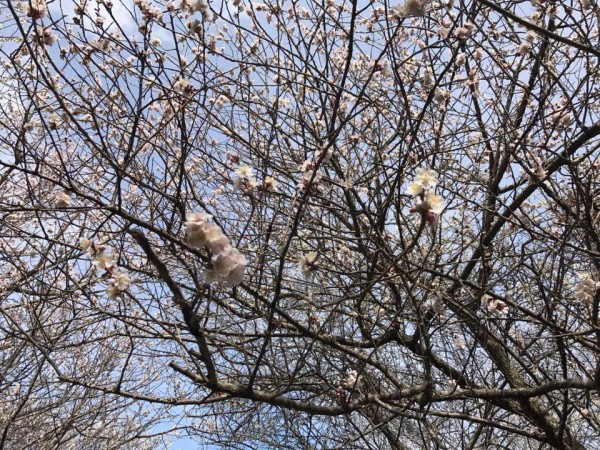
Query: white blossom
[(494, 305), (62, 200), (586, 289), (227, 263), (37, 9), (196, 229), (306, 265), (424, 179), (118, 282), (245, 178), (410, 8), (270, 183)]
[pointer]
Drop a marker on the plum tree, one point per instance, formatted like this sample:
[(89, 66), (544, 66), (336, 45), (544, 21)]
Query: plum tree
[(300, 224)]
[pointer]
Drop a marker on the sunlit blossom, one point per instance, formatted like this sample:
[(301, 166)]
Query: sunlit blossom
[(196, 229), (37, 9), (245, 178), (426, 179), (434, 203), (270, 183)]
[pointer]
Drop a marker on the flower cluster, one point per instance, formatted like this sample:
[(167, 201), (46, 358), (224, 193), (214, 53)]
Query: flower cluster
[(347, 384), (429, 205), (307, 264), (462, 33), (410, 8), (245, 180), (227, 263), (149, 13), (37, 9), (46, 37), (192, 6), (270, 183), (118, 280), (310, 176), (494, 305), (62, 200), (586, 289), (183, 86)]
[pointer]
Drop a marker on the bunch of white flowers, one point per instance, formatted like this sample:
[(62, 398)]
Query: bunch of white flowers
[(62, 200), (346, 384), (586, 289), (307, 265), (192, 6), (245, 180), (118, 280), (183, 86), (270, 183), (494, 305), (46, 37), (410, 8), (227, 263), (37, 9), (97, 252), (429, 205), (309, 172)]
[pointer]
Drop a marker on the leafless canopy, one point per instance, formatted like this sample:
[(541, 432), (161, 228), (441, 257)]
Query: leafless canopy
[(300, 224)]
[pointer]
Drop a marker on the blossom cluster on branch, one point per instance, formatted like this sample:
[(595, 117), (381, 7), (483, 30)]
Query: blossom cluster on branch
[(429, 205), (402, 193), (117, 278), (227, 263)]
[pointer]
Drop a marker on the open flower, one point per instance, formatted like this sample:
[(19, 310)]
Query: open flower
[(227, 263), (426, 178), (117, 283), (215, 239), (586, 289), (245, 180), (494, 305), (197, 227), (270, 183), (236, 275), (85, 245), (49, 38), (244, 171), (62, 200), (103, 261), (230, 266), (429, 205), (307, 265), (434, 203)]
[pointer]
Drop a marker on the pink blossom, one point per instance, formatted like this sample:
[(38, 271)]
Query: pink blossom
[(215, 239), (196, 229)]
